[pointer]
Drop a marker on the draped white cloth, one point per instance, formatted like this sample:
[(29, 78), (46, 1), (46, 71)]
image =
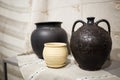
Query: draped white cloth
[(33, 68)]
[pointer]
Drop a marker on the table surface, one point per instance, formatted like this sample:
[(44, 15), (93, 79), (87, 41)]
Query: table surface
[(114, 67), (11, 60)]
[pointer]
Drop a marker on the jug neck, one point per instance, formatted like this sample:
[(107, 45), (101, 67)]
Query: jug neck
[(90, 20), (48, 24)]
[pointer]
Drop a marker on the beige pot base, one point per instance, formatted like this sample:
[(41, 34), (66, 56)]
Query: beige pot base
[(55, 66)]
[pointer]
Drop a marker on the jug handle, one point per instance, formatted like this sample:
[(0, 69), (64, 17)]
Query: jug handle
[(103, 20), (76, 23)]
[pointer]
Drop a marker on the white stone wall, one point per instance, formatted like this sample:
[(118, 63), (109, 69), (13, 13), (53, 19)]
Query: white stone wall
[(14, 19), (70, 11)]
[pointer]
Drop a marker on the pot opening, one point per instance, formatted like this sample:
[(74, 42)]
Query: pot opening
[(49, 22), (55, 44)]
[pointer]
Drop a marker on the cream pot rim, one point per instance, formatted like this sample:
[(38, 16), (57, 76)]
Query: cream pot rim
[(54, 44)]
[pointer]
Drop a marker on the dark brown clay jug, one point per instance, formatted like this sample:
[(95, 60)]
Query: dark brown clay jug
[(47, 32), (91, 44)]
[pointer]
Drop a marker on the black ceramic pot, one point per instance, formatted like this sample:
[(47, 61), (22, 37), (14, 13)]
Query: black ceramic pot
[(91, 44), (47, 32)]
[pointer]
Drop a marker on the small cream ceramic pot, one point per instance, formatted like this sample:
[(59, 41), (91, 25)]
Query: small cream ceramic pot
[(55, 54)]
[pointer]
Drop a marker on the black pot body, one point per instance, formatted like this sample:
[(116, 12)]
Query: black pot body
[(47, 32), (91, 44)]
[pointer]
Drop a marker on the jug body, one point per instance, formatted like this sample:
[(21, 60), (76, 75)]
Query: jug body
[(91, 44)]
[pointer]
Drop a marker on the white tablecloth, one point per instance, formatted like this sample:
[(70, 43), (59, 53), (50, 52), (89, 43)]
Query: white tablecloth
[(33, 68)]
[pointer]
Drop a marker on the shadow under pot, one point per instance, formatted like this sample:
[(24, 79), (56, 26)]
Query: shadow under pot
[(91, 44), (47, 32)]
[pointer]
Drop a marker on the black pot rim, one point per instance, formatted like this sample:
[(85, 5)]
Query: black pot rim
[(49, 22)]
